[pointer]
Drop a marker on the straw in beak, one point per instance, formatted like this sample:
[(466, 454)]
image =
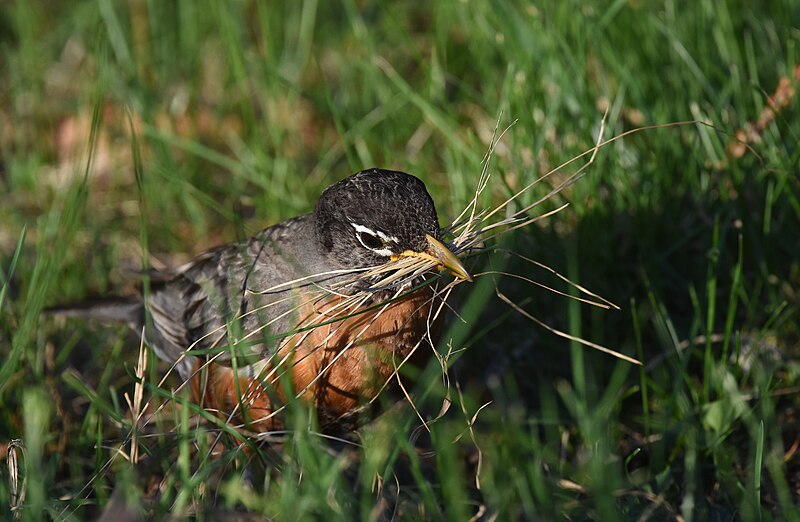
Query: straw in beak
[(442, 256)]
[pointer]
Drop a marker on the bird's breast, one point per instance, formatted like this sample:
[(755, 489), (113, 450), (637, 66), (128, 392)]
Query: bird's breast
[(338, 358)]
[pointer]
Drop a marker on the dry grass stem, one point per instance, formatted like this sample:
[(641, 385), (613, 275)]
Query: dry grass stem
[(17, 489)]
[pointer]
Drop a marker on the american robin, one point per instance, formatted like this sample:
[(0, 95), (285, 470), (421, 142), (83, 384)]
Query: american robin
[(326, 305)]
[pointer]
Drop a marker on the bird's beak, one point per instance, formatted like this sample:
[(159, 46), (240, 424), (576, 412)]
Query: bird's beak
[(442, 256)]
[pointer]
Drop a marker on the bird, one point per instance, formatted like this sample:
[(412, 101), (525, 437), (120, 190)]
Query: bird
[(324, 307)]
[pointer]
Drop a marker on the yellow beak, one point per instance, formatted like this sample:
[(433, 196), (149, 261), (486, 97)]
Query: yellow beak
[(442, 256)]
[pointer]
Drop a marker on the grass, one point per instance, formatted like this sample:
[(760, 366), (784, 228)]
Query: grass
[(145, 132)]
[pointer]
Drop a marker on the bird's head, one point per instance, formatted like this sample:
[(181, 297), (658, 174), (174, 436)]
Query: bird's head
[(381, 216)]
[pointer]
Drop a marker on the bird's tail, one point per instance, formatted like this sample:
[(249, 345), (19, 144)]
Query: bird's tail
[(129, 310)]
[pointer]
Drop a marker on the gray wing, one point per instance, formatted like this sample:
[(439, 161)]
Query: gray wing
[(241, 294)]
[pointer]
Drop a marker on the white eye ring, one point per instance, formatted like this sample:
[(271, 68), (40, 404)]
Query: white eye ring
[(385, 238)]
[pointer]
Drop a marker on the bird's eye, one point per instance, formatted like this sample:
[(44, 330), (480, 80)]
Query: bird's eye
[(375, 240), (370, 241)]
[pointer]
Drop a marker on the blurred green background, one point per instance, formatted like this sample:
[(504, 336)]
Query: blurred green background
[(142, 131)]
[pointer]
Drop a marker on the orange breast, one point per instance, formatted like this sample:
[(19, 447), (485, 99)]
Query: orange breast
[(337, 367)]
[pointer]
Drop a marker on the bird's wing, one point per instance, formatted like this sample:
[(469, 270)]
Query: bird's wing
[(240, 294)]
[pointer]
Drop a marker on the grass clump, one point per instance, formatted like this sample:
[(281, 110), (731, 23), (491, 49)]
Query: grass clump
[(147, 132)]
